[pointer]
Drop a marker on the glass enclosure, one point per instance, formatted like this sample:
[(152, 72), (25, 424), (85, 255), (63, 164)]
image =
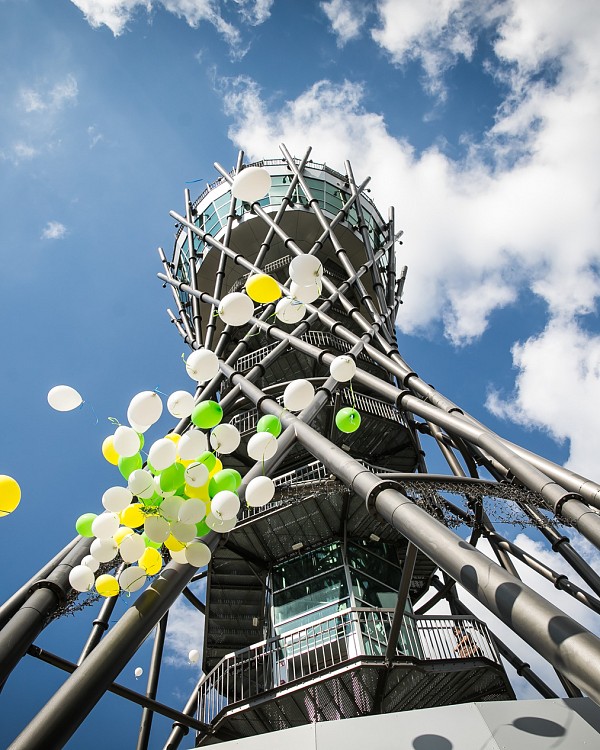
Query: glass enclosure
[(331, 579)]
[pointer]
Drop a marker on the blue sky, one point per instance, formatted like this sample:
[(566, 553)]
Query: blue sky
[(478, 121)]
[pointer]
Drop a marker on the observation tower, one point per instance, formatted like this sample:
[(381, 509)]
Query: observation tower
[(319, 594)]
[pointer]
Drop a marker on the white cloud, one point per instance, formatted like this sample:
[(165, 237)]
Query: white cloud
[(185, 631), (346, 17), (436, 33), (94, 135), (558, 389), (111, 13), (53, 99), (255, 12), (18, 152), (116, 14), (54, 230)]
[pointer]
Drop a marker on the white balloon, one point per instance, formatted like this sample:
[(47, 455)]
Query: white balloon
[(196, 475), (305, 269), (104, 550), (116, 499), (132, 579), (251, 184), (259, 491), (290, 311), (170, 507), (220, 524), (179, 556), (81, 578), (197, 554), (91, 563), (180, 404), (298, 394), (145, 408), (262, 446), (64, 398), (225, 438), (307, 294), (225, 505), (192, 510), (202, 365), (141, 428), (343, 368), (162, 453), (194, 656), (138, 672), (192, 444), (132, 548), (141, 483), (157, 528), (236, 309), (126, 441), (105, 525), (183, 532)]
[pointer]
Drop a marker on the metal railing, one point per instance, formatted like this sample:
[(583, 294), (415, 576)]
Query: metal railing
[(332, 641), (314, 471)]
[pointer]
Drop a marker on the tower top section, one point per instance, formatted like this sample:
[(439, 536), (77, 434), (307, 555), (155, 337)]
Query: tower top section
[(306, 208)]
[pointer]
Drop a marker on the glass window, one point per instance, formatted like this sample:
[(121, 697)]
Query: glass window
[(304, 598)]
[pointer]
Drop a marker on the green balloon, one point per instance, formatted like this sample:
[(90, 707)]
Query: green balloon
[(208, 459), (142, 439), (238, 477), (207, 414), (269, 423), (223, 480), (172, 478), (127, 464), (202, 529), (347, 419), (84, 524), (149, 543)]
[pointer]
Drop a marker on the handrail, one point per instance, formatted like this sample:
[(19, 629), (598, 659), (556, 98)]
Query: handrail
[(333, 640)]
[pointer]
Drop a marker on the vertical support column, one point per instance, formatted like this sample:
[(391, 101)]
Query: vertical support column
[(151, 689)]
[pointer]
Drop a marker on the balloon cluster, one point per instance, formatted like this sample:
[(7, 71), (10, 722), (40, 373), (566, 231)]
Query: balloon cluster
[(181, 493)]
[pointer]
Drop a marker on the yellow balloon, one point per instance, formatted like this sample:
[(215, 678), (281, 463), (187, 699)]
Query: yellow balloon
[(151, 561), (107, 585), (173, 544), (109, 452), (121, 533), (174, 437), (133, 516), (217, 467), (263, 288), (184, 462), (201, 492), (10, 494)]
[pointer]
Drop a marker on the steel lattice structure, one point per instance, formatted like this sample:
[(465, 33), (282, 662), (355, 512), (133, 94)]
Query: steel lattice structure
[(336, 491)]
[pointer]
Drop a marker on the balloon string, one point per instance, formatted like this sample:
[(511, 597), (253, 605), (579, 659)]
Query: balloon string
[(92, 408), (114, 420), (352, 393), (161, 393)]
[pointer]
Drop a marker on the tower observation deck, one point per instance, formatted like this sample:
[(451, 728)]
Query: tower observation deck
[(319, 599)]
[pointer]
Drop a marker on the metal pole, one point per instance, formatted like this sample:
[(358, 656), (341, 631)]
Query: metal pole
[(407, 573), (11, 605), (153, 675), (121, 690), (100, 626), (47, 596), (58, 720)]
